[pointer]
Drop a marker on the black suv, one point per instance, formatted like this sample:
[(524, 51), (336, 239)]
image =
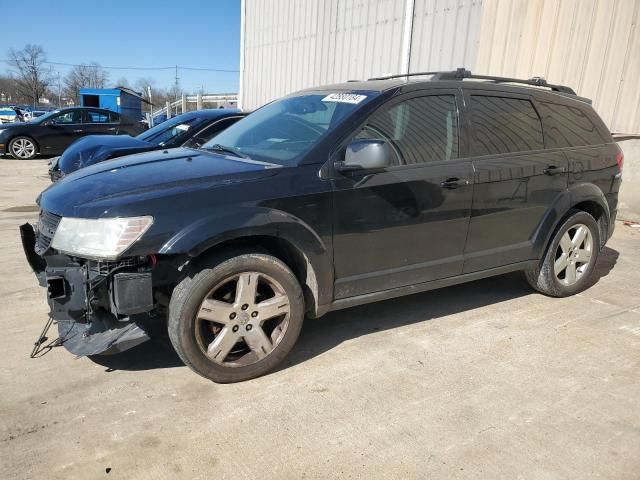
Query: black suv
[(325, 199)]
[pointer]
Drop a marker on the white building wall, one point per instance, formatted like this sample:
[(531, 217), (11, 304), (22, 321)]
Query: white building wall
[(295, 44), (591, 45), (445, 34)]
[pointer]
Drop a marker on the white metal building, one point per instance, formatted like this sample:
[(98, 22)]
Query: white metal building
[(591, 45)]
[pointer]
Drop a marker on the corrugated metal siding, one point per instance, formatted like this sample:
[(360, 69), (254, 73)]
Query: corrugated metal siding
[(295, 44), (590, 45), (445, 34)]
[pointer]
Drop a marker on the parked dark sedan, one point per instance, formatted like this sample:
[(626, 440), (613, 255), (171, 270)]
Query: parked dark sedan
[(188, 129), (55, 131)]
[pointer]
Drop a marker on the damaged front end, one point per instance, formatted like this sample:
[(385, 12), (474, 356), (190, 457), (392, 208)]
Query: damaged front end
[(100, 306)]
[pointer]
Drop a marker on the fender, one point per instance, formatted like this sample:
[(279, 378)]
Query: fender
[(207, 232), (574, 195)]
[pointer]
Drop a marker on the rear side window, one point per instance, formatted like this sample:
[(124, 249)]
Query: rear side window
[(566, 126), (424, 129), (505, 125), (114, 117), (94, 116)]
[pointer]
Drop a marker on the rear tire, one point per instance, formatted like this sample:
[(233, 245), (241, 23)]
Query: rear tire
[(23, 148), (237, 319), (570, 259)]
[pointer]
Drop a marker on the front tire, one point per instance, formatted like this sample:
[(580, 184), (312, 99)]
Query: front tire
[(570, 259), (23, 148), (237, 319)]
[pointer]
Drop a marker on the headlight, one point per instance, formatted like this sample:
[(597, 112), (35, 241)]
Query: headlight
[(102, 238)]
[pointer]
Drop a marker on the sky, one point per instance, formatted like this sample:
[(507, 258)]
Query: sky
[(134, 33)]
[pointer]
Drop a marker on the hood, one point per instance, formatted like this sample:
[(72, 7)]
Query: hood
[(114, 187), (96, 148)]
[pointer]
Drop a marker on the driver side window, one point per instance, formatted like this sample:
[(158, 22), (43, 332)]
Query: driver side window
[(421, 129), (73, 116)]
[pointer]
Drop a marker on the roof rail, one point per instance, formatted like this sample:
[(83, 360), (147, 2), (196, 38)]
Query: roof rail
[(462, 73), (401, 75)]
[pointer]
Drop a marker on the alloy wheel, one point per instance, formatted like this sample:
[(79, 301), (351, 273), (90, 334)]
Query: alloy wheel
[(23, 148), (573, 255), (242, 319)]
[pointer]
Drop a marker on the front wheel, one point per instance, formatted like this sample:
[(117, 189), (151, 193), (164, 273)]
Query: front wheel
[(238, 319), (22, 148), (570, 260)]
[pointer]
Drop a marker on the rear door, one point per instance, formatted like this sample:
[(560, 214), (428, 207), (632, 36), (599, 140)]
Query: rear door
[(100, 122), (516, 180), (407, 224)]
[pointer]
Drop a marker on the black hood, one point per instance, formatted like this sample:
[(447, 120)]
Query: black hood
[(114, 187)]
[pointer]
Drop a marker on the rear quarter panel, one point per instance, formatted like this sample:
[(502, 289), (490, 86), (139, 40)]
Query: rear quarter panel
[(595, 165)]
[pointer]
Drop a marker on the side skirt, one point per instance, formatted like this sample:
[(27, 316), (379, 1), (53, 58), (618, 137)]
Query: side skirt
[(423, 287)]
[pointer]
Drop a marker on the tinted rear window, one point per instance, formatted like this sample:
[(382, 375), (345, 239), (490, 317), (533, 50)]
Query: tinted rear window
[(566, 126), (505, 125)]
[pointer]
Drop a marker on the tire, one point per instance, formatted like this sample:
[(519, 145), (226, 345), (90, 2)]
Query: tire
[(208, 312), (23, 148), (552, 277)]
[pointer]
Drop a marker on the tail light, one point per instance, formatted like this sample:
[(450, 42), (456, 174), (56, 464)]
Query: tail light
[(620, 159)]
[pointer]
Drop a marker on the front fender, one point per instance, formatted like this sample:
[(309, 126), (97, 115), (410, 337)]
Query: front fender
[(208, 232)]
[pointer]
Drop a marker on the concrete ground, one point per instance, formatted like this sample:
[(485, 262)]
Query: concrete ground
[(629, 199), (484, 380)]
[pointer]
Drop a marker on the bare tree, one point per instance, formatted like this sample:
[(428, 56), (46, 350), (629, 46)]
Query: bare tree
[(8, 91), (31, 74), (123, 82), (147, 85), (91, 75)]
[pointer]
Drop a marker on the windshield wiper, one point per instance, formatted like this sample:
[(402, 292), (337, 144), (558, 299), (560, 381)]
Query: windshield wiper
[(221, 148)]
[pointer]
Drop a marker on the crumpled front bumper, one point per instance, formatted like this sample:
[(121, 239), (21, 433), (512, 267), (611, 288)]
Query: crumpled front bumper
[(97, 312), (55, 173)]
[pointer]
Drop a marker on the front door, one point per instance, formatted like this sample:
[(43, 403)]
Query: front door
[(407, 224), (516, 180), (61, 131)]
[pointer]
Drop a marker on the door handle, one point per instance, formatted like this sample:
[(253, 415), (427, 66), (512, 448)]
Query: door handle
[(77, 131), (112, 129), (553, 170), (453, 182)]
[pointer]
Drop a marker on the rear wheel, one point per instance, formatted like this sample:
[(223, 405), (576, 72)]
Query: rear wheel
[(570, 259), (238, 319), (23, 148)]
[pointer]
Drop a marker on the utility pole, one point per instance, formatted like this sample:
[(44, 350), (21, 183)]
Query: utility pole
[(177, 82), (150, 106), (59, 92), (177, 87)]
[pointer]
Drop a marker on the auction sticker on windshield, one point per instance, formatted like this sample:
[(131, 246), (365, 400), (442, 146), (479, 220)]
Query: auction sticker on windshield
[(344, 98)]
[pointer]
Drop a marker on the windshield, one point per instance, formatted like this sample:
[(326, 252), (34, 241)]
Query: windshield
[(167, 130), (286, 129), (45, 117)]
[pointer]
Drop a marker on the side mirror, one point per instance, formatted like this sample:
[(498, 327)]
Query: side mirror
[(365, 155)]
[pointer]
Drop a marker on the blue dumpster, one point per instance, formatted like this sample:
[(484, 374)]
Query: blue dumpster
[(120, 99)]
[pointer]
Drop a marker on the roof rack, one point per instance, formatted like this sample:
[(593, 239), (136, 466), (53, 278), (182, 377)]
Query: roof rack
[(462, 73)]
